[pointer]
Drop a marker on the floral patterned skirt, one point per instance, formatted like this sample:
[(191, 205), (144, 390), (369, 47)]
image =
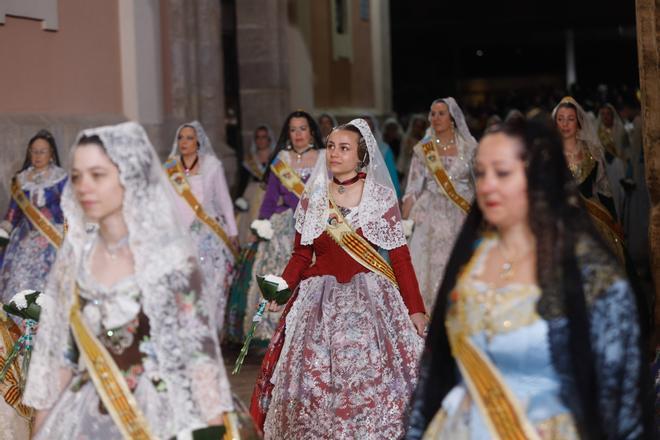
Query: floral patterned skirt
[(26, 262), (78, 415), (348, 365), (438, 222), (217, 264)]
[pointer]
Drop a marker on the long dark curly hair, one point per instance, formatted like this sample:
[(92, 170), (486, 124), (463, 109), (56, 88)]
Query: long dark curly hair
[(283, 140), (48, 137), (557, 220)]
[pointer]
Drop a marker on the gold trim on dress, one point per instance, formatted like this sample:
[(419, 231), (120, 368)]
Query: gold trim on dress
[(502, 413), (439, 173), (180, 184), (36, 217), (356, 246), (288, 177), (107, 379), (606, 226), (253, 168)]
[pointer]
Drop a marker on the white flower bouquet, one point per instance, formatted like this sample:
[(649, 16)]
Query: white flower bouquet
[(262, 229)]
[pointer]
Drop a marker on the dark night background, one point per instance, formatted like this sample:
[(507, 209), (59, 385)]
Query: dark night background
[(435, 45)]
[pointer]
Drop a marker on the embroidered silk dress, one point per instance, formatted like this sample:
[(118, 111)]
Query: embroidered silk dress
[(530, 352), (437, 218), (343, 360), (211, 191), (349, 360), (29, 255)]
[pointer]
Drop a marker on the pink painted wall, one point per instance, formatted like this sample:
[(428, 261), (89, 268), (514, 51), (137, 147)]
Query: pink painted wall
[(75, 70)]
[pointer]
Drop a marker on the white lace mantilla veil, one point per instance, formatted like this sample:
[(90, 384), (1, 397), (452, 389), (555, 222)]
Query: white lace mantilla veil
[(205, 147), (164, 264), (461, 124), (587, 131), (253, 146), (378, 212)]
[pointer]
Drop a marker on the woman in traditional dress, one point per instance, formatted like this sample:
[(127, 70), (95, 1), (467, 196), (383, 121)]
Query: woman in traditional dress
[(535, 334), (438, 193), (130, 348), (295, 156), (256, 164), (350, 338), (205, 209), (34, 220), (584, 155)]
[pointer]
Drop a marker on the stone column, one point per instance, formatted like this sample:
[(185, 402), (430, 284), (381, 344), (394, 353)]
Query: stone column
[(263, 64), (648, 47), (195, 83)]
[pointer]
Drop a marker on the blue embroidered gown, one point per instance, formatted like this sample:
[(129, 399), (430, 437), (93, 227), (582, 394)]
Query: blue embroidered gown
[(27, 258)]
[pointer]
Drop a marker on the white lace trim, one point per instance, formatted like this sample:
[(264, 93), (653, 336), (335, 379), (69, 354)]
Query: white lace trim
[(379, 215), (38, 184)]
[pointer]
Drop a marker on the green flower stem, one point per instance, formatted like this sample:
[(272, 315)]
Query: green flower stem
[(248, 338)]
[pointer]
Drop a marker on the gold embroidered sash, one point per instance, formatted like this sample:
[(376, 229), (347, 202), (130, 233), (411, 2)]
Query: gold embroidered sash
[(498, 405), (178, 180), (606, 226), (288, 176), (434, 165), (356, 246), (253, 168), (36, 217), (107, 379), (503, 415)]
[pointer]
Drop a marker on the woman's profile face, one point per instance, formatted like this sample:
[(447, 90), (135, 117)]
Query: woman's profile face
[(341, 152), (500, 181), (300, 133), (95, 180), (187, 141), (567, 122), (40, 154)]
